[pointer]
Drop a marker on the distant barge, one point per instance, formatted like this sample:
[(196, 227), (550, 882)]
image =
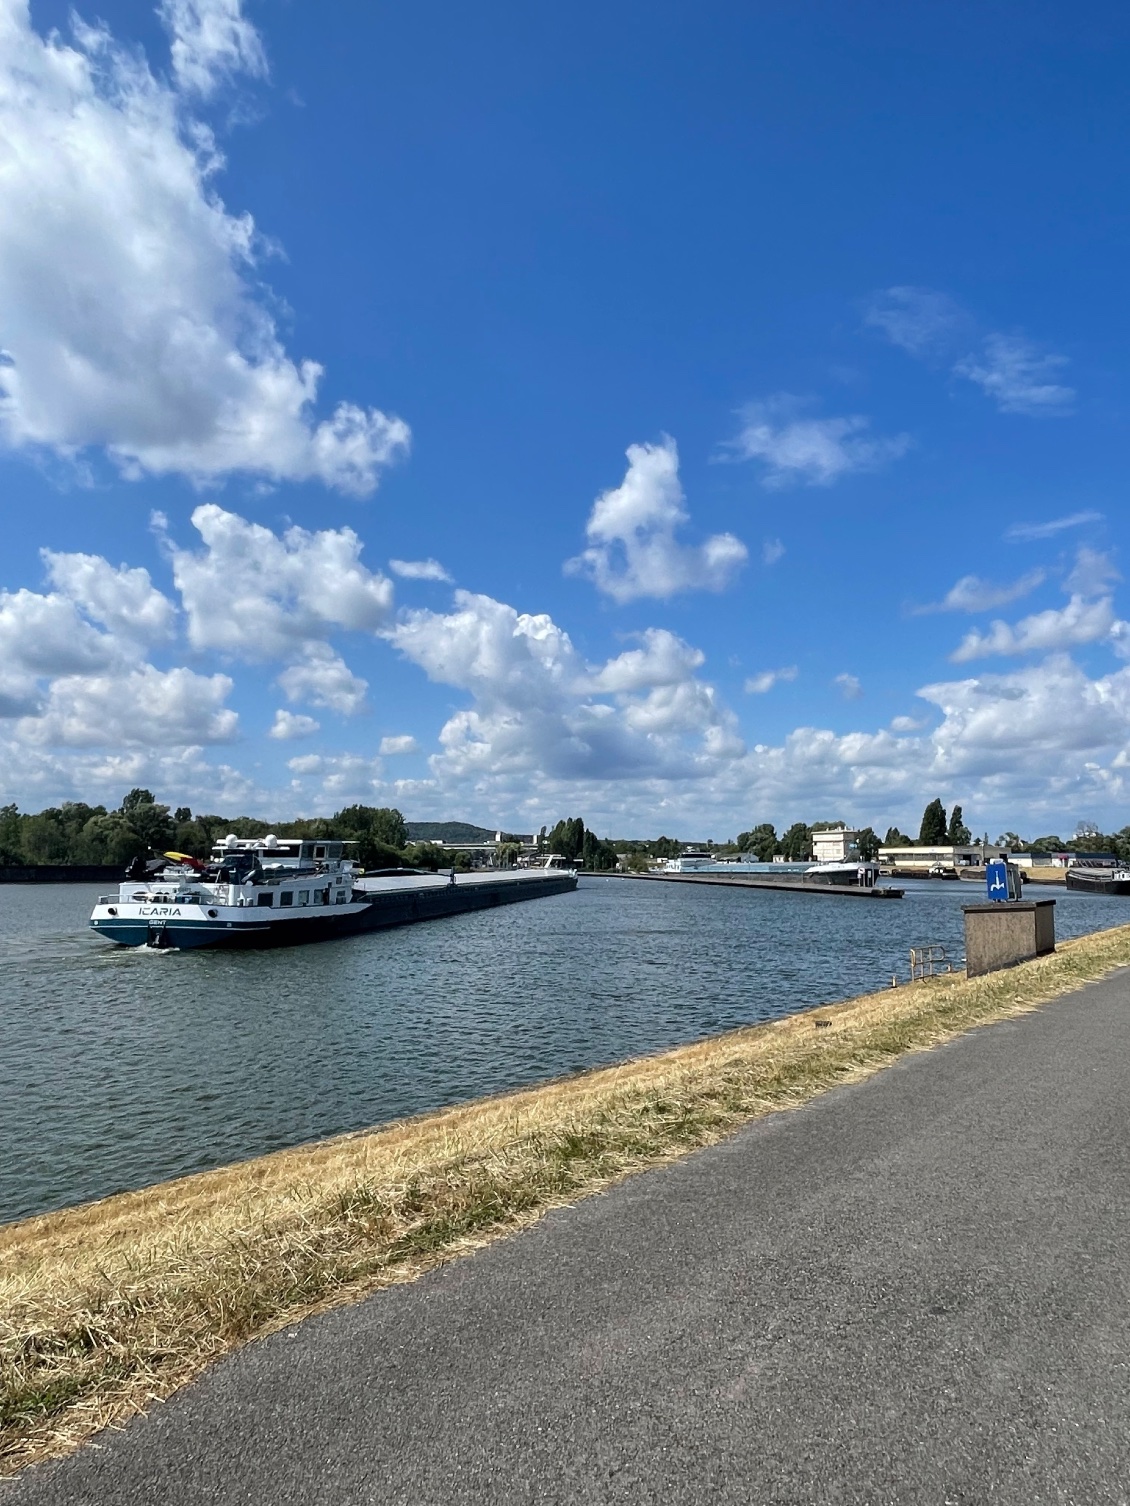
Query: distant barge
[(269, 892), (787, 882)]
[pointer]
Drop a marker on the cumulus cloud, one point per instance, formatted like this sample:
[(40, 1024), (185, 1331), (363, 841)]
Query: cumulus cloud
[(257, 595), (849, 686), (1030, 532), (289, 725), (1018, 377), (771, 551), (664, 659), (1079, 622), (974, 594), (760, 683), (144, 707), (43, 636), (321, 677), (419, 570), (633, 550), (123, 600), (541, 715), (391, 747), (131, 316), (794, 448)]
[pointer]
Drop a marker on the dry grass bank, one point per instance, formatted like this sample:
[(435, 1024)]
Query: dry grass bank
[(107, 1307)]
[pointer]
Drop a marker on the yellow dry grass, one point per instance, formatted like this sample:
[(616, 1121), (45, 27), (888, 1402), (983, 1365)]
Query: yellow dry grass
[(107, 1307)]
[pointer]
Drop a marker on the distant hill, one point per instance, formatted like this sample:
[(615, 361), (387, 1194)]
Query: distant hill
[(448, 831)]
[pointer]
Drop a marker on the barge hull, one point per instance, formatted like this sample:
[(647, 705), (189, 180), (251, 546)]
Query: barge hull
[(382, 910), (782, 885)]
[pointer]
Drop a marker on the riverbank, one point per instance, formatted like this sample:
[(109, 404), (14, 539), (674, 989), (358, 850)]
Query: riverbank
[(108, 1307)]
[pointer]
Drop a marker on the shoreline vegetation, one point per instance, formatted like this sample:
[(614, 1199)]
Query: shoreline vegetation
[(114, 1305)]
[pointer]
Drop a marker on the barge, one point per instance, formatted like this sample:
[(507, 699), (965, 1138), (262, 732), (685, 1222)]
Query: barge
[(1085, 878), (270, 891)]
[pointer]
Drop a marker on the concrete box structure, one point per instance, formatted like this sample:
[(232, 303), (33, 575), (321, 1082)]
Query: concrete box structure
[(836, 845), (1000, 935)]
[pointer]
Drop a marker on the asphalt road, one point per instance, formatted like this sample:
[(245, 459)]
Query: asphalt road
[(913, 1290)]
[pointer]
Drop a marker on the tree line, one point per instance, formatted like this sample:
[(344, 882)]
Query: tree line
[(80, 834), (91, 835)]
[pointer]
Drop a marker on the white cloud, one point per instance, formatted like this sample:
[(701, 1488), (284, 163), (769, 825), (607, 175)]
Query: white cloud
[(143, 707), (918, 320), (45, 635), (53, 637), (1079, 622), (255, 595), (771, 551), (322, 678), (1013, 372), (903, 724), (811, 451), (288, 726), (541, 717), (132, 319), (211, 41), (123, 600), (419, 570), (1029, 532), (391, 747), (633, 551), (974, 594), (1092, 574), (760, 683), (849, 685), (664, 659)]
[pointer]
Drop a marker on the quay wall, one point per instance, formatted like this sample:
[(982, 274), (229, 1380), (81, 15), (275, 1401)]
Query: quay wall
[(63, 873)]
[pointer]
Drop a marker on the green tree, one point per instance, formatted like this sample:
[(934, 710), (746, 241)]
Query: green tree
[(666, 847), (760, 843), (427, 855), (597, 856), (568, 839), (868, 844), (637, 862), (1012, 841), (10, 846), (382, 823), (896, 838), (957, 833), (932, 832), (796, 844), (42, 838), (148, 819), (1047, 844), (508, 855)]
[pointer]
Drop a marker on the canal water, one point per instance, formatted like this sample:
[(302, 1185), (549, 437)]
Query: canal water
[(123, 1067)]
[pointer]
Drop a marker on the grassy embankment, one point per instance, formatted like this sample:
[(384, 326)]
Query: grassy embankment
[(108, 1307)]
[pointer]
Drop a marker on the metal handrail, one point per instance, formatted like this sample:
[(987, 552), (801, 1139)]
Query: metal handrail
[(926, 961)]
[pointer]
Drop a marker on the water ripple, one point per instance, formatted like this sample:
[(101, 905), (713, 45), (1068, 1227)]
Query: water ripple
[(122, 1067)]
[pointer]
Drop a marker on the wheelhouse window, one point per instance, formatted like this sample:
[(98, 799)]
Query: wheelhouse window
[(266, 899), (319, 852), (303, 897), (286, 897)]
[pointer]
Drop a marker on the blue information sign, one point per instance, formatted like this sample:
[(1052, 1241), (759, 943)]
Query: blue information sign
[(996, 879)]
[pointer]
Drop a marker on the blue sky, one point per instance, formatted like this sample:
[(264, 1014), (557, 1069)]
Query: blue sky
[(752, 378)]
